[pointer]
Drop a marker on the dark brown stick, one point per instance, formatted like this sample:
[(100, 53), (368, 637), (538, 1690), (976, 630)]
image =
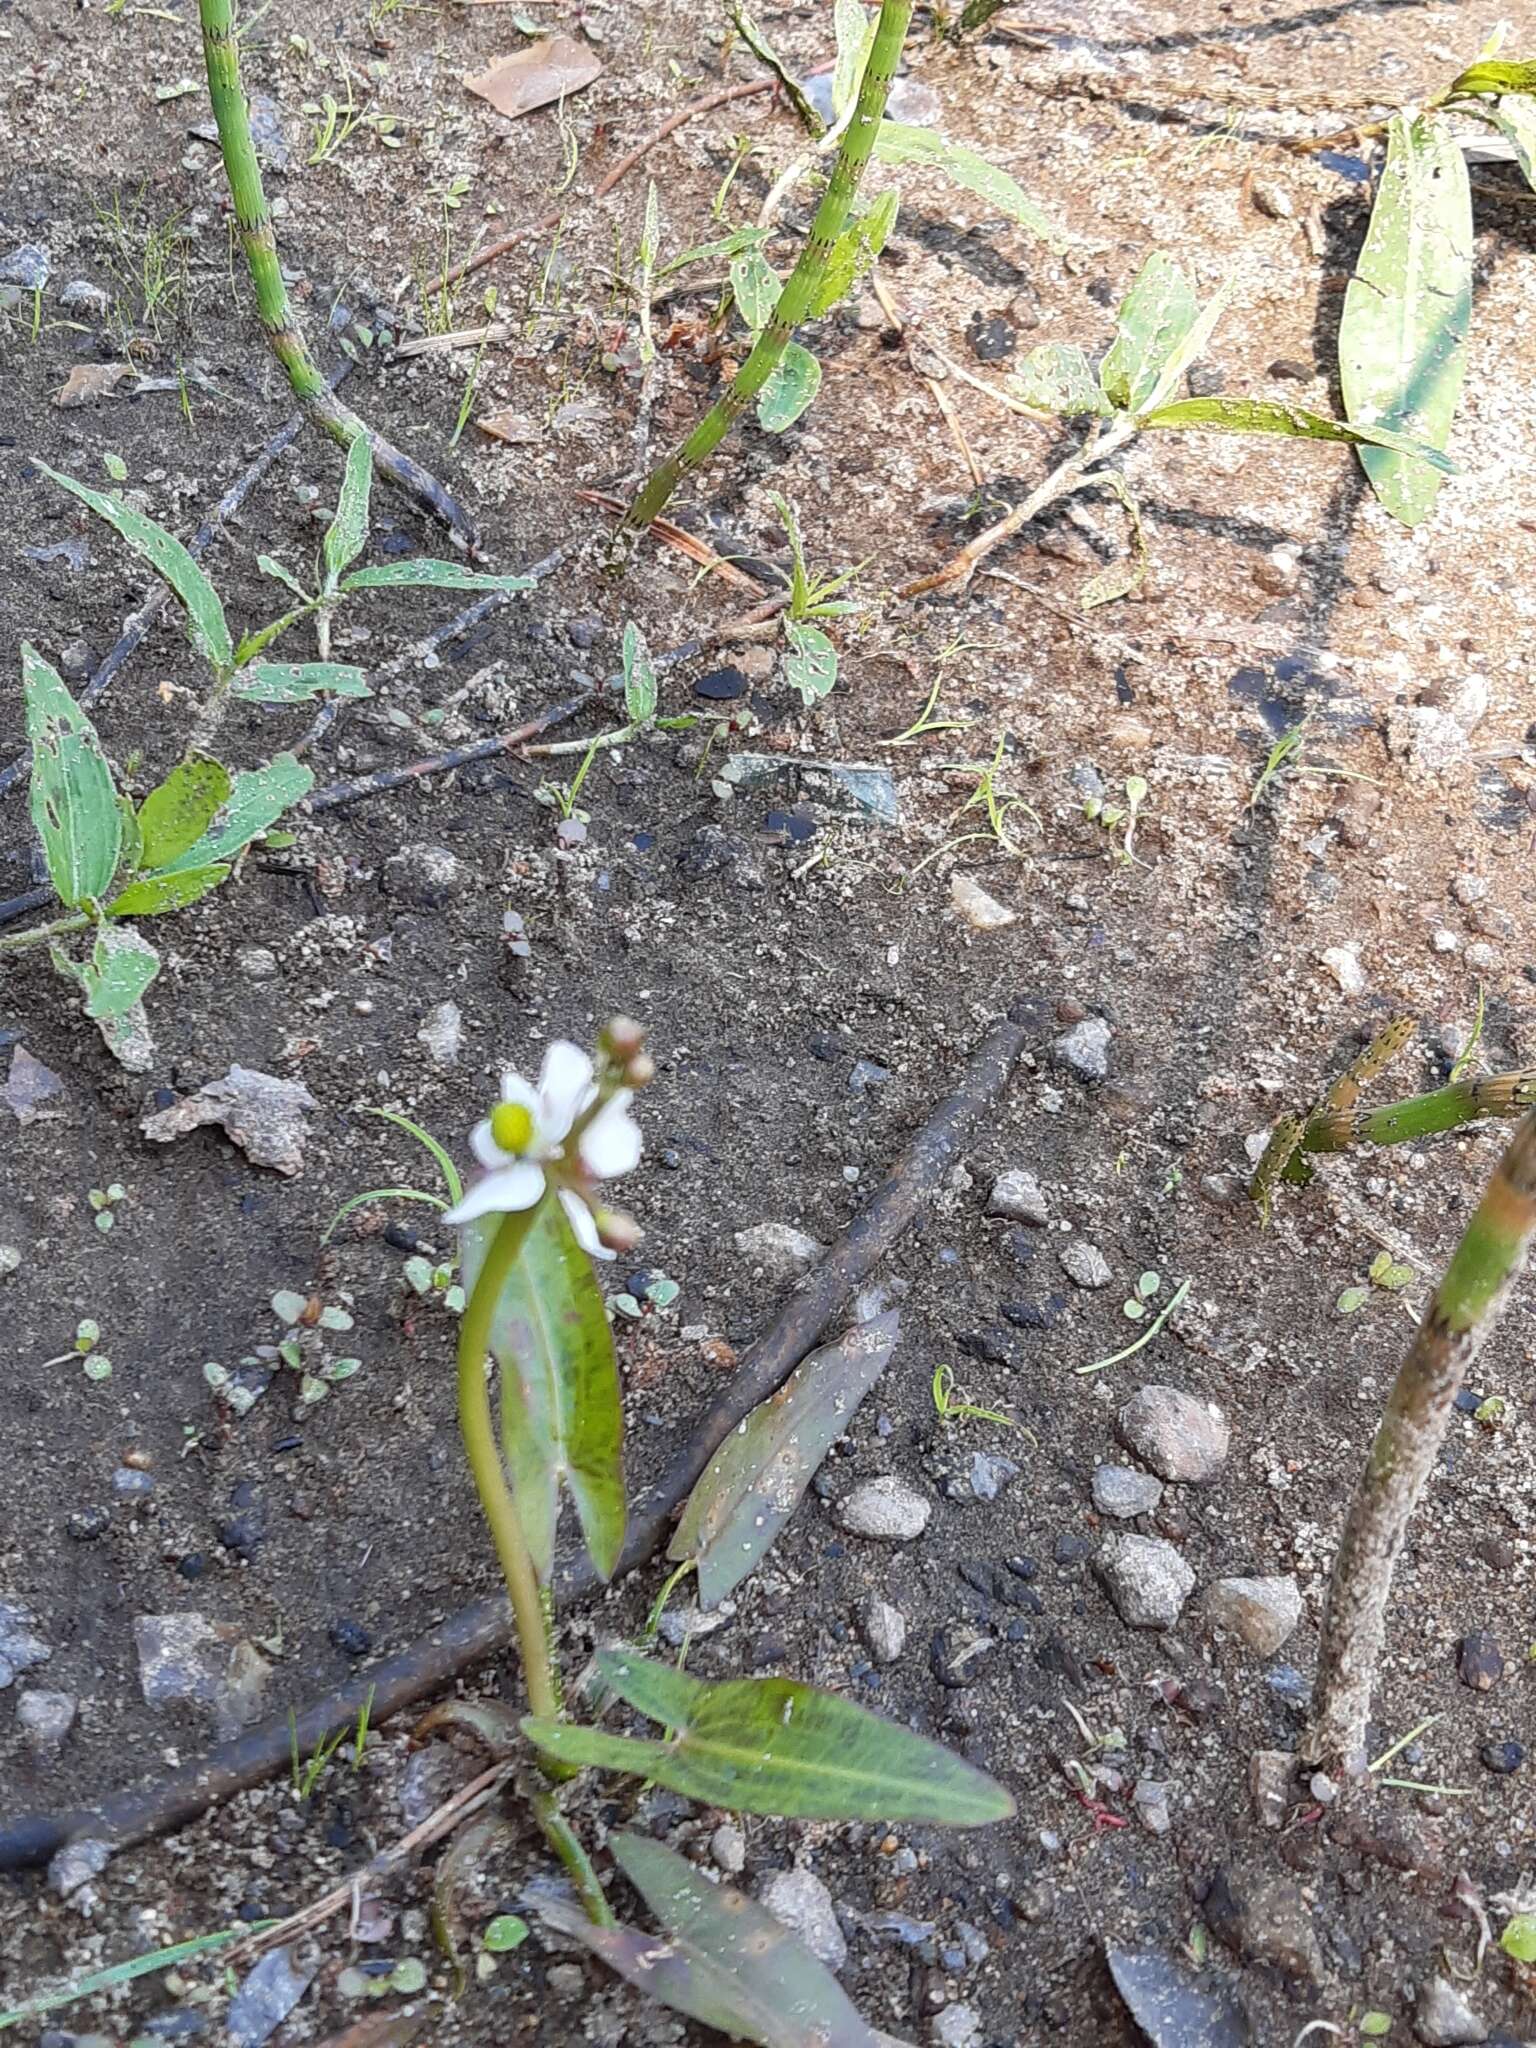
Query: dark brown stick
[(485, 1626)]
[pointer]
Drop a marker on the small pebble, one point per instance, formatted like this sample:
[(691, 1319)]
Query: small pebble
[(1122, 1491), (1146, 1578), (728, 1847), (983, 913), (256, 963), (1084, 1264), (1182, 1437), (885, 1508), (801, 1902), (1263, 1612), (1502, 1757), (1479, 1662), (1085, 1049), (1017, 1196), (350, 1637)]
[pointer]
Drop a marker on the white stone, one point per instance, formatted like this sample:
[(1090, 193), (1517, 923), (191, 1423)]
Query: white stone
[(886, 1508), (45, 1719), (728, 1847), (982, 912), (781, 1251), (1263, 1612), (801, 1902), (1084, 1264), (884, 1629), (1146, 1578), (442, 1033), (1343, 963), (1442, 2018), (958, 2026), (1085, 1049)]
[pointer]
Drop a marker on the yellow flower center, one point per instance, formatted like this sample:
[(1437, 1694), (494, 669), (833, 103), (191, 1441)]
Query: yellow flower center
[(512, 1126)]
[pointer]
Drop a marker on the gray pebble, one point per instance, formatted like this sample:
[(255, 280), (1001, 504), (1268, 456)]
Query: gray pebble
[(81, 296), (1179, 1435), (426, 877), (1085, 1049), (958, 2026), (1263, 1612), (45, 1719), (1146, 1578), (781, 1251), (886, 1508), (1017, 1195), (801, 1902), (1442, 2018), (27, 267), (1084, 1264), (256, 963), (883, 1628), (21, 1646), (1122, 1491), (728, 1847)]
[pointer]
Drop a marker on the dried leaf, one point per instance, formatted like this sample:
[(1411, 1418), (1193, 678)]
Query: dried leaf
[(88, 382), (547, 70), (517, 429), (753, 1484), (261, 1113)]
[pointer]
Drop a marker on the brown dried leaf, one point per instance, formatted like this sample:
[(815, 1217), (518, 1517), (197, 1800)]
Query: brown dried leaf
[(517, 429), (88, 382), (549, 69), (261, 1113)]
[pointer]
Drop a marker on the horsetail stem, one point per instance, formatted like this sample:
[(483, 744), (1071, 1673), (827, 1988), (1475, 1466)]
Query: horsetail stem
[(1466, 1307), (1421, 1116), (799, 292), (325, 410)]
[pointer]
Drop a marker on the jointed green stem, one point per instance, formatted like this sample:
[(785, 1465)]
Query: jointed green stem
[(1467, 1305), (325, 409), (1421, 1116), (795, 300), (484, 1453), (563, 1839)]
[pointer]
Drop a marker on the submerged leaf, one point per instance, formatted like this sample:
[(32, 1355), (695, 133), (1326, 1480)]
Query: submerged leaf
[(753, 1484), (1403, 335), (561, 1412), (770, 1745), (74, 802)]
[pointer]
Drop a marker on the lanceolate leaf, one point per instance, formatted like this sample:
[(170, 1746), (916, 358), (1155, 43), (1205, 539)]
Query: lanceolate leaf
[(1128, 572), (728, 1963), (1402, 339), (1497, 76), (854, 254), (168, 558), (1515, 118), (1155, 316), (854, 31), (433, 575), (1189, 348), (899, 143), (639, 677), (1059, 378), (769, 1745), (753, 1484), (149, 895), (74, 803), (561, 1415), (795, 381), (1270, 416), (291, 682), (177, 814), (257, 799), (347, 534)]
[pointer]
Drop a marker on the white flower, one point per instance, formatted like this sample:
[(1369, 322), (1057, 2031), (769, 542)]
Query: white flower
[(527, 1131)]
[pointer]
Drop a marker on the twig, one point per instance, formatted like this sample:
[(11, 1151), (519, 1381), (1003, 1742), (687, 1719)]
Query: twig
[(138, 623), (459, 1806), (1076, 620), (484, 1626), (678, 537), (22, 906), (480, 257)]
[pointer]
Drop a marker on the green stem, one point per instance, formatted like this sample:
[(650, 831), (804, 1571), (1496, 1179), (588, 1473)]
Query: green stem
[(562, 1838), (795, 300), (40, 934), (231, 114), (484, 1454), (1466, 1307), (1421, 1116)]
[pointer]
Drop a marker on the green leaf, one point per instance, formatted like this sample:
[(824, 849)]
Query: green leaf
[(561, 1412), (1155, 316), (1351, 1299), (770, 1745), (854, 254), (794, 383), (165, 554), (120, 969), (1189, 348), (714, 252), (1274, 416), (1519, 1938), (1375, 2025), (1496, 76), (115, 467), (640, 686), (421, 570), (257, 799), (1515, 118), (812, 664), (74, 802), (293, 682), (728, 1962), (347, 535), (754, 286), (177, 814), (1403, 335), (150, 895), (1059, 378), (754, 1482), (270, 566), (898, 143), (854, 31), (507, 1931)]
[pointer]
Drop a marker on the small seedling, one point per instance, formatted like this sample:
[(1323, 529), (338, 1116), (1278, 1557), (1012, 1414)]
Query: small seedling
[(307, 1320), (660, 1292), (1130, 1351), (812, 665), (96, 1364), (995, 802), (104, 1201), (952, 1406), (434, 1281), (1146, 1288), (1285, 763), (1385, 1273), (1110, 815)]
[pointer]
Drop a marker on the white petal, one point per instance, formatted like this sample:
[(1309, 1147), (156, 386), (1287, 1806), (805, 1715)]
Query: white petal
[(515, 1089), (485, 1147), (564, 1081), (584, 1226), (610, 1145), (517, 1186)]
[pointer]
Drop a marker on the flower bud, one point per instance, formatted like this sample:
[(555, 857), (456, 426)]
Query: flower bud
[(639, 1071), (622, 1038), (617, 1230)]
